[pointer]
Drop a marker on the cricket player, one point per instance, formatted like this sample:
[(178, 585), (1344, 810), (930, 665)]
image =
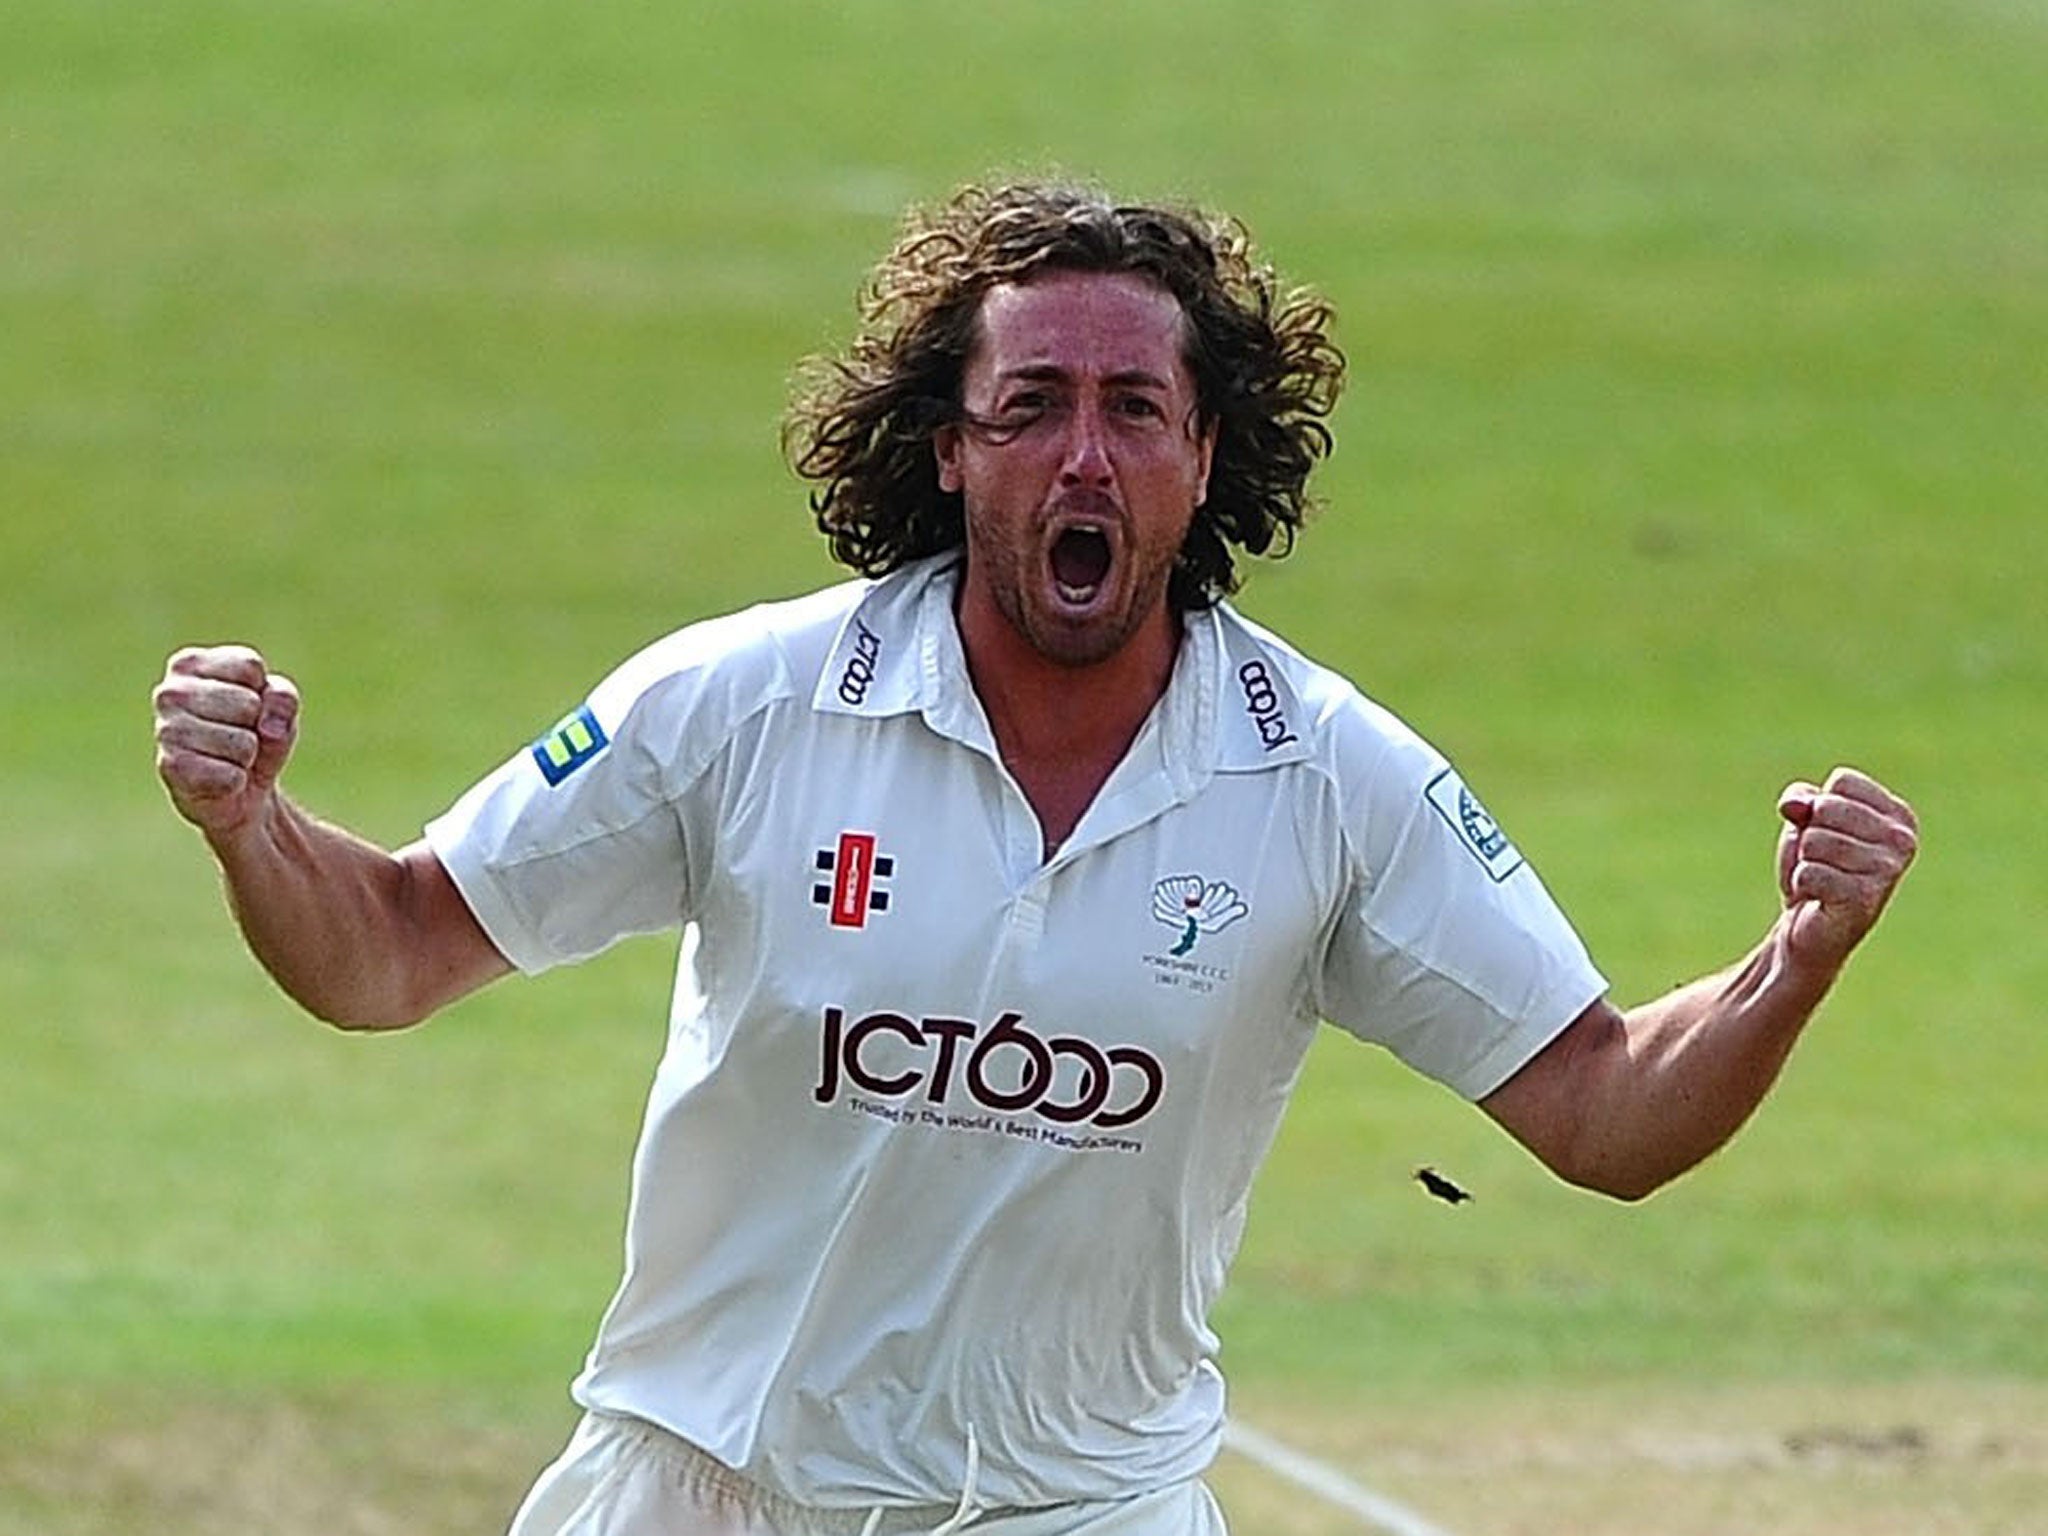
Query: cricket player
[(1014, 878)]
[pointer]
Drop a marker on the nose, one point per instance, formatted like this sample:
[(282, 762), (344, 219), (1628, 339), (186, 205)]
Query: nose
[(1086, 460)]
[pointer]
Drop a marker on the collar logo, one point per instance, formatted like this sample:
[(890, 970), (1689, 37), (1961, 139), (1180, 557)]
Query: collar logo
[(1262, 704), (1195, 906), (855, 888), (859, 675)]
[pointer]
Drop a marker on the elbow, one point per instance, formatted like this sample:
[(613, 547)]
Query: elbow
[(370, 1001), (1628, 1191), (364, 1021), (356, 1011), (1629, 1181), (367, 1023)]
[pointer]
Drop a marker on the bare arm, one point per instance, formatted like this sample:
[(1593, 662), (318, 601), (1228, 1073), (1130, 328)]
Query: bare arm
[(360, 937), (1625, 1103)]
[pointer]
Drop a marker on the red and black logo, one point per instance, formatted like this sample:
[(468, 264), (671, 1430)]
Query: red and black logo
[(857, 873)]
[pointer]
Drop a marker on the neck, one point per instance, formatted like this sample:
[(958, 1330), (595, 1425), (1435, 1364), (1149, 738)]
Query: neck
[(1042, 710), (1061, 730)]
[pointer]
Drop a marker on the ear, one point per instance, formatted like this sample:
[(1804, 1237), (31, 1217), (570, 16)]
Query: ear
[(946, 449)]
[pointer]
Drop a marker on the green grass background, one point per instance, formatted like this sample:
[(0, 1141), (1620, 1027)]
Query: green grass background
[(1696, 441)]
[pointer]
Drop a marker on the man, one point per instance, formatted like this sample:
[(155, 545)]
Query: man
[(1014, 882)]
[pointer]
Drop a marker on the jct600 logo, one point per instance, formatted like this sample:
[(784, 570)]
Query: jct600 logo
[(1003, 1066)]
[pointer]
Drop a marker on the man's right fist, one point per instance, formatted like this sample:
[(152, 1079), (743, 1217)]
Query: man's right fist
[(225, 724)]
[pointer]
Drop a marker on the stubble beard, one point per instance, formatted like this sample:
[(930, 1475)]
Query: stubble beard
[(1067, 642)]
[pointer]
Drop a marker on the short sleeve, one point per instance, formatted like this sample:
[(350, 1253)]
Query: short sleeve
[(576, 842), (1448, 950)]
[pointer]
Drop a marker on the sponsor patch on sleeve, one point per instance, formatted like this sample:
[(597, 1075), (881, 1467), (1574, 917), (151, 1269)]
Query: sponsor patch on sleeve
[(569, 746), (1478, 831)]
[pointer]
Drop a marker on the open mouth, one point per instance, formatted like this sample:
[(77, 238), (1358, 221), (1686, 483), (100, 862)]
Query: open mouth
[(1080, 562)]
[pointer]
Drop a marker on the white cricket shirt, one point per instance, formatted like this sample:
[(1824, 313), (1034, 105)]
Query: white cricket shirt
[(949, 1138)]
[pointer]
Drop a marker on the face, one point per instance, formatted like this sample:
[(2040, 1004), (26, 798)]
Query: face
[(1080, 464)]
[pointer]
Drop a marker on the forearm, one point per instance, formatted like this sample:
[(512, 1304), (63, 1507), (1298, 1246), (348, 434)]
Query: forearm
[(1691, 1068), (332, 917), (1624, 1103)]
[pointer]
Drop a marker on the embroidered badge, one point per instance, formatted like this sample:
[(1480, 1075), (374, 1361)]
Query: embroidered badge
[(1478, 831), (569, 746), (1194, 907), (857, 871)]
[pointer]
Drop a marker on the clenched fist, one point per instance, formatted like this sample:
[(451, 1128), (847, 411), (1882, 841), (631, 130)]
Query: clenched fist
[(225, 724), (1844, 848)]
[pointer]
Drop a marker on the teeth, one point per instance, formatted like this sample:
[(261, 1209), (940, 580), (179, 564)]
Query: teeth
[(1080, 561)]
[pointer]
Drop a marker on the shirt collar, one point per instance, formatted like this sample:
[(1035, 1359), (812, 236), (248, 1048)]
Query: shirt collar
[(1229, 705), (1263, 719), (883, 659)]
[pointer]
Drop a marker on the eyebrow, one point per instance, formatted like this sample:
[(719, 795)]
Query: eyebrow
[(1053, 373)]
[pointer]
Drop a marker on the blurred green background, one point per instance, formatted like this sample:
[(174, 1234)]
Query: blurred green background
[(1696, 439)]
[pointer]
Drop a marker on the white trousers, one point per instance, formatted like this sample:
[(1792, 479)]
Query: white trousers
[(623, 1477)]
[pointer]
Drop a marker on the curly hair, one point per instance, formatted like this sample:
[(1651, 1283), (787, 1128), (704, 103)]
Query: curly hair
[(1266, 374)]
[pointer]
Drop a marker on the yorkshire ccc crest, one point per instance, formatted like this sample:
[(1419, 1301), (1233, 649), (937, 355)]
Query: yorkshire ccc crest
[(1195, 906)]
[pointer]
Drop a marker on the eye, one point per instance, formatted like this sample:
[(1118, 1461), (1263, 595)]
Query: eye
[(1139, 408)]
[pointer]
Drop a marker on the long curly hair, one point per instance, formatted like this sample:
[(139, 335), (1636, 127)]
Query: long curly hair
[(1266, 374)]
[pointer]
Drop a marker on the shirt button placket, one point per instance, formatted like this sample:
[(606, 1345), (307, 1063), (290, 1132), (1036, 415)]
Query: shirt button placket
[(1027, 914)]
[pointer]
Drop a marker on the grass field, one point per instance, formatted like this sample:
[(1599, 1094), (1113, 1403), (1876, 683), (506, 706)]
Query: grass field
[(1697, 441)]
